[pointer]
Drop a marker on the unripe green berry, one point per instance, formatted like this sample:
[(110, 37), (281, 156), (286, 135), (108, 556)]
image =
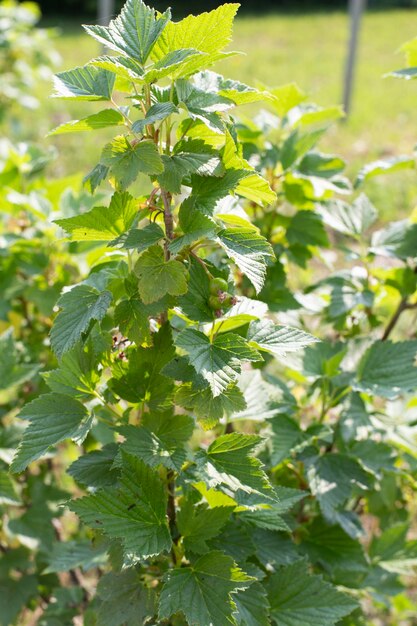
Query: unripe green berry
[(216, 285), (215, 303)]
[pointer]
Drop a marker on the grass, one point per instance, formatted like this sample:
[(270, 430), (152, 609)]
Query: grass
[(310, 50)]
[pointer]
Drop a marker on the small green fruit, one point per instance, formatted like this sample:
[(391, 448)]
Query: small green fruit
[(215, 303), (216, 285)]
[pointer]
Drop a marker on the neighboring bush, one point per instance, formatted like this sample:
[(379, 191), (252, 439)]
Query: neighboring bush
[(243, 426), (26, 55)]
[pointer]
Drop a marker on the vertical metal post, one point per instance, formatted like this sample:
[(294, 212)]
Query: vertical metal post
[(105, 11), (356, 8)]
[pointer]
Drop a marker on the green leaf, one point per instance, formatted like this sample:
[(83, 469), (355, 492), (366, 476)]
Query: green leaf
[(79, 307), (252, 606), (249, 250), (229, 462), (202, 591), (385, 166), (188, 160), (8, 495), (12, 372), (160, 440), (134, 513), (96, 469), (52, 418), (197, 525), (84, 83), (306, 228), (124, 600), (208, 32), (141, 239), (171, 64), (195, 226), (14, 594), (208, 409), (158, 277), (407, 73), (94, 178), (278, 340), (123, 67), (332, 479), (219, 362), (132, 317), (332, 547), (134, 32), (398, 239), (393, 552), (72, 554), (156, 113), (126, 160), (77, 374), (202, 105), (255, 188), (388, 369), (299, 599), (350, 219), (286, 98), (102, 223), (207, 190), (103, 119), (234, 90)]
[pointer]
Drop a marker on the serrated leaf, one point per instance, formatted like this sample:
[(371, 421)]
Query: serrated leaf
[(124, 600), (202, 591), (398, 239), (331, 546), (208, 32), (278, 340), (202, 105), (388, 369), (72, 554), (96, 469), (160, 440), (255, 188), (14, 594), (126, 160), (94, 178), (298, 598), (306, 228), (186, 162), (134, 513), (8, 493), (218, 362), (208, 409), (252, 606), (103, 119), (197, 525), (249, 250), (194, 304), (207, 190), (134, 32), (52, 418), (141, 239), (102, 223), (229, 462), (332, 479), (77, 374), (156, 113), (393, 552), (286, 98), (12, 372), (384, 166), (195, 226), (350, 219), (79, 307), (234, 90), (132, 317), (84, 83), (158, 277)]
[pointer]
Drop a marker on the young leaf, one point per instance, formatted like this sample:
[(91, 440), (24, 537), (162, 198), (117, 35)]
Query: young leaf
[(126, 160), (202, 591), (229, 462), (103, 119), (197, 525), (252, 606), (278, 340), (79, 307), (156, 113), (208, 32), (53, 417), (350, 219), (84, 83), (158, 277), (249, 250), (386, 166), (134, 513), (298, 598), (218, 362), (134, 32), (102, 223), (160, 440), (388, 369)]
